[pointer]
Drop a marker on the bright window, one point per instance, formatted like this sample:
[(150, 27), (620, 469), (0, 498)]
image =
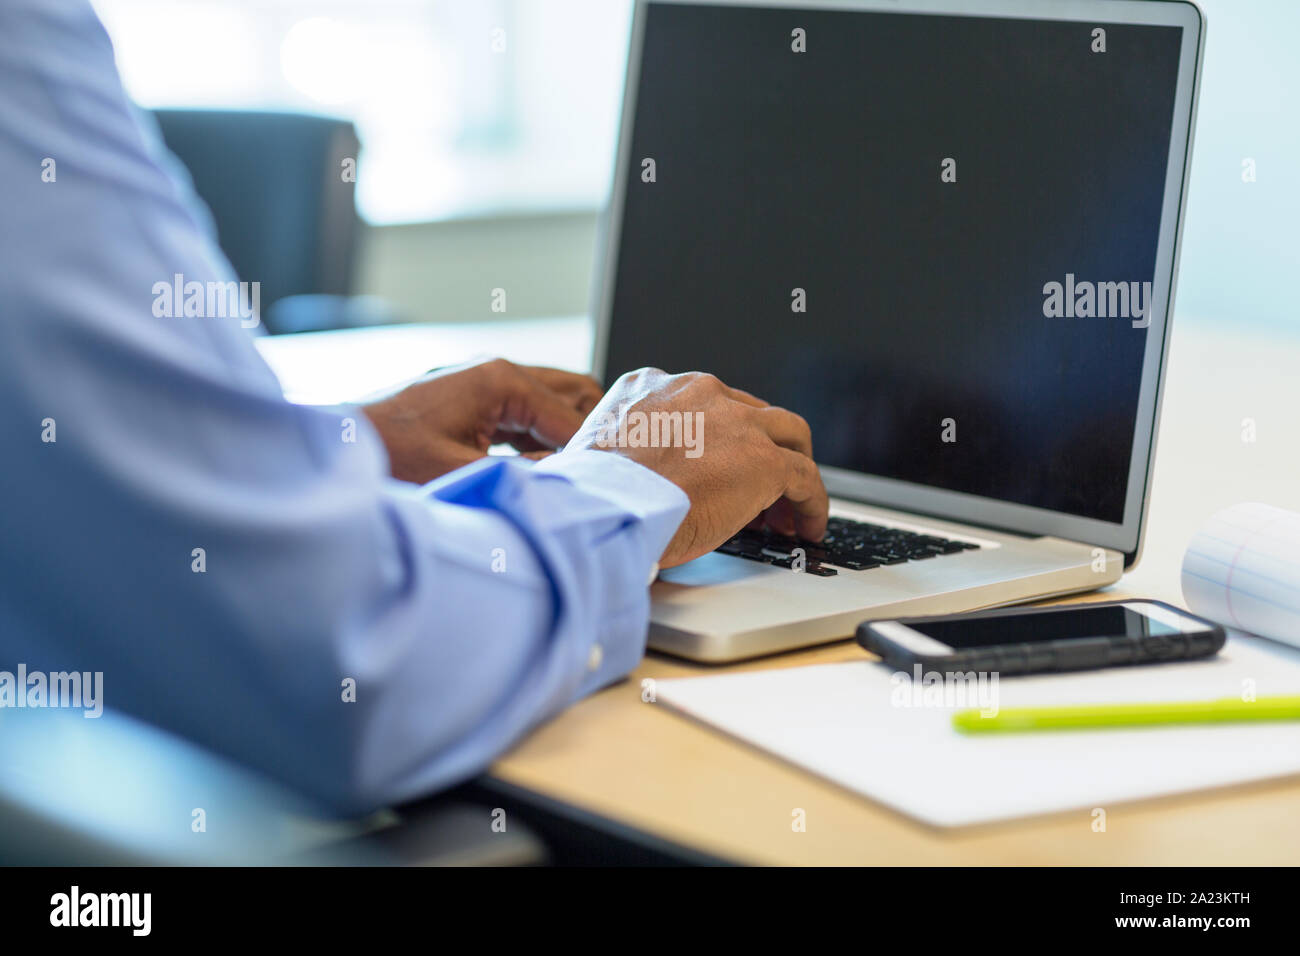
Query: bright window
[(463, 106)]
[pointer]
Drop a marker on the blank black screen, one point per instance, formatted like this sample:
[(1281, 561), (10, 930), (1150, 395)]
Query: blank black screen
[(776, 170), (1047, 626)]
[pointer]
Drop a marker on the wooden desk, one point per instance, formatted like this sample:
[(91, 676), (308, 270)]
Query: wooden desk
[(649, 768)]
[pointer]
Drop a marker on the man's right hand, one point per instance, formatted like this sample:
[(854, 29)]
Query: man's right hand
[(754, 460)]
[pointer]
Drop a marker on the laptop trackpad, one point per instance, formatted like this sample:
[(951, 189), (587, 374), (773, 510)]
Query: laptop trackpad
[(713, 568)]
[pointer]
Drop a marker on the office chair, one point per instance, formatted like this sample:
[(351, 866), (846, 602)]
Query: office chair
[(118, 792), (285, 214)]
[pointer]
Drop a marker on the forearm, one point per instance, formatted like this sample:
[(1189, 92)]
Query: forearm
[(534, 592)]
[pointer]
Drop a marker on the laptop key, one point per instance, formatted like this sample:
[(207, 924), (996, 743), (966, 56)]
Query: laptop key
[(810, 567), (851, 545), (821, 571), (853, 564)]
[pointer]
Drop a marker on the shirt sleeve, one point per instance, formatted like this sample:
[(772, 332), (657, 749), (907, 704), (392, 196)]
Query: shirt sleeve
[(242, 570)]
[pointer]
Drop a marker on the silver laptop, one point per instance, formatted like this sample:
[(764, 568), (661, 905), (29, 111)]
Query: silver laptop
[(944, 233)]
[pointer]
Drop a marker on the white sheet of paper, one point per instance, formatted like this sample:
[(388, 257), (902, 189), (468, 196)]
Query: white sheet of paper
[(840, 721), (1242, 569)]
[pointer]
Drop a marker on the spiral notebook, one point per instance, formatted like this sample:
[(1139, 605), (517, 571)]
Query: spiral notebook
[(1242, 569)]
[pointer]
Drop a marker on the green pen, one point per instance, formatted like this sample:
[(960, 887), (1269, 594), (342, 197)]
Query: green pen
[(1226, 710)]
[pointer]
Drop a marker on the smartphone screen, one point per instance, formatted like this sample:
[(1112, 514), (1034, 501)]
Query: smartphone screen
[(1113, 621)]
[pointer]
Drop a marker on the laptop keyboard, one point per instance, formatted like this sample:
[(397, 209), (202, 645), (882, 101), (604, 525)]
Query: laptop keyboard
[(851, 545)]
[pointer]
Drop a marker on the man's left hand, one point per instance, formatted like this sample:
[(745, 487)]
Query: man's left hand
[(451, 417)]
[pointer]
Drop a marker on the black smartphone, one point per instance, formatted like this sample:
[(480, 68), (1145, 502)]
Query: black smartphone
[(1032, 640)]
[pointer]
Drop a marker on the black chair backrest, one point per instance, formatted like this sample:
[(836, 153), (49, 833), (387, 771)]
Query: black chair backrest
[(284, 210)]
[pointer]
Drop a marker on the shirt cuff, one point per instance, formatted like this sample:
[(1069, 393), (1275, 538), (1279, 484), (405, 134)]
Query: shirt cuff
[(654, 500), (658, 506)]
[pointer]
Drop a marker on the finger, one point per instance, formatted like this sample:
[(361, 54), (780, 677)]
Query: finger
[(519, 441), (787, 429), (779, 517), (584, 391), (742, 396), (528, 406), (806, 495)]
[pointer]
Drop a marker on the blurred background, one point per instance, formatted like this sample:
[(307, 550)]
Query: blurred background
[(483, 134), (487, 128)]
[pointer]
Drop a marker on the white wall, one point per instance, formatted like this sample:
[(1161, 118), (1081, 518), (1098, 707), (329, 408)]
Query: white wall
[(446, 271)]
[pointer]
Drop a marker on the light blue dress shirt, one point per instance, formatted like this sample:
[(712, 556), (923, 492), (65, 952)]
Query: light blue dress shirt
[(465, 611)]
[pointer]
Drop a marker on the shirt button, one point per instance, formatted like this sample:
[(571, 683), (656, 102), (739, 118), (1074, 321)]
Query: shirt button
[(595, 657)]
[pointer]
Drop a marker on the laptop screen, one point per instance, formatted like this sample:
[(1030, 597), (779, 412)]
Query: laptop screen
[(934, 237)]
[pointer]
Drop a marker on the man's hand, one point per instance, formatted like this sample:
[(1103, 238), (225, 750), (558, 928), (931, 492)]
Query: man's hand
[(451, 417), (754, 459)]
